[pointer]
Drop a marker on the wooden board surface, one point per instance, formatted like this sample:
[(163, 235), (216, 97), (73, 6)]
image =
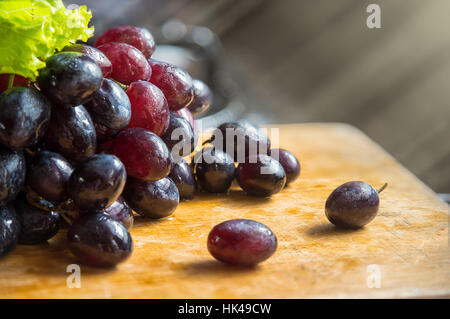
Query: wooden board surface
[(405, 249)]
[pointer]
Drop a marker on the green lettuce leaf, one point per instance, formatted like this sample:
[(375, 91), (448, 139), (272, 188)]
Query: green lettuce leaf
[(32, 30)]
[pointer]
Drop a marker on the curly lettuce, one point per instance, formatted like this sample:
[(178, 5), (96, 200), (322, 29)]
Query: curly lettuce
[(32, 30)]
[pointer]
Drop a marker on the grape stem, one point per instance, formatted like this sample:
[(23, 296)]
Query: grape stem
[(382, 188), (11, 80), (123, 86)]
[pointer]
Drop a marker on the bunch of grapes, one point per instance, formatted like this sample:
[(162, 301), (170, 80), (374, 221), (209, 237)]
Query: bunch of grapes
[(90, 141), (103, 132)]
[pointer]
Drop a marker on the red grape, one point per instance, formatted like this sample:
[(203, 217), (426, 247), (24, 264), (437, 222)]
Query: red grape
[(149, 108), (241, 242), (129, 64), (18, 81), (175, 83), (140, 38), (143, 153)]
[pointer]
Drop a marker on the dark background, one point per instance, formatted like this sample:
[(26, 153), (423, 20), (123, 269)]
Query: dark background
[(316, 60)]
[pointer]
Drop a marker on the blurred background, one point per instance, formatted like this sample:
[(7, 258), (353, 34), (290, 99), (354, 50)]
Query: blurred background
[(291, 61)]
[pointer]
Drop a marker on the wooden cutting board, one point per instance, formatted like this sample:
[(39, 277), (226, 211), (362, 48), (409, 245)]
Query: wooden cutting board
[(404, 252)]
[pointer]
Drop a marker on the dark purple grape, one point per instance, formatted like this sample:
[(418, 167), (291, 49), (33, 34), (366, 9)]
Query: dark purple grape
[(95, 54), (261, 175), (48, 175), (289, 162), (97, 182), (156, 199), (71, 133), (69, 78), (121, 211), (12, 174), (9, 228), (179, 137), (184, 179), (143, 153), (202, 98), (36, 225), (241, 242), (104, 134), (214, 170), (352, 205), (242, 140), (98, 240), (110, 106), (24, 117)]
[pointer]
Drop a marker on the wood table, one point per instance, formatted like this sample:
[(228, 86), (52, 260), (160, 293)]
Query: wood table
[(404, 252)]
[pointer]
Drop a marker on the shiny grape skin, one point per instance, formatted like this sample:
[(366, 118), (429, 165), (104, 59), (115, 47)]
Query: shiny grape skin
[(71, 133), (156, 199), (289, 162), (104, 134), (121, 212), (110, 106), (184, 179), (100, 241), (175, 83), (12, 174), (69, 78), (179, 137), (214, 170), (9, 228), (140, 38), (143, 153), (48, 174), (190, 118), (243, 131), (149, 108), (36, 225), (97, 182), (202, 98), (24, 117), (95, 54), (352, 205), (241, 242), (18, 81), (257, 182), (129, 64)]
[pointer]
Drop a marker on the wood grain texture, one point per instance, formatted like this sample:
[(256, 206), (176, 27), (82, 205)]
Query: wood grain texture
[(408, 239)]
